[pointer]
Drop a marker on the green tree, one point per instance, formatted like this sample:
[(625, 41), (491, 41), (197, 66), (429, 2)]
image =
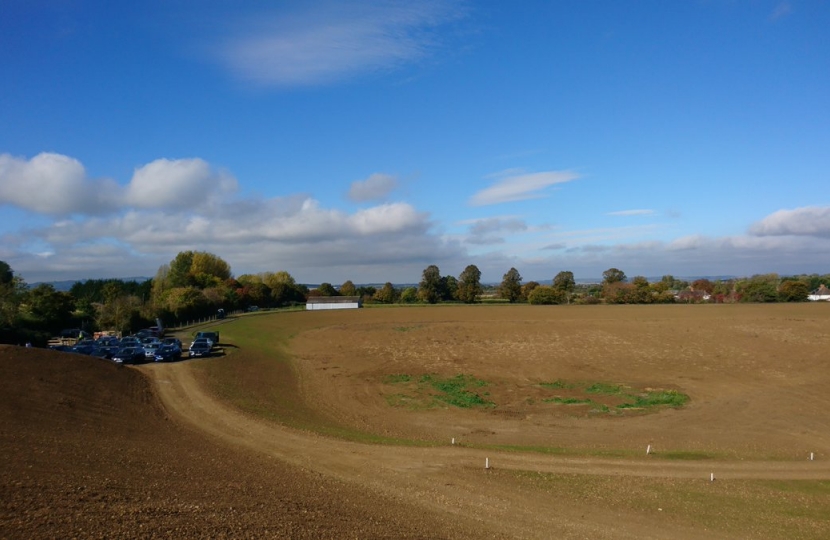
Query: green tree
[(641, 292), (6, 273), (195, 269), (469, 284), (430, 286), (178, 271), (348, 289), (327, 289), (50, 309), (528, 288), (793, 291), (409, 295), (545, 296), (618, 292), (758, 288), (386, 294), (565, 283), (12, 289), (449, 288), (511, 286), (613, 275)]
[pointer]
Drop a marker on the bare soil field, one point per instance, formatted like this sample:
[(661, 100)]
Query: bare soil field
[(340, 424), (88, 451), (757, 376)]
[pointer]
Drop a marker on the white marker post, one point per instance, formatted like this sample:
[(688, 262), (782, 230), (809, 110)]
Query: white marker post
[(811, 456), (486, 463), (453, 441), (648, 450), (712, 477)]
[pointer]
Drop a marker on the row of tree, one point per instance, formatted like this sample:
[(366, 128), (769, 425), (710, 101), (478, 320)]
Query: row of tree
[(196, 284)]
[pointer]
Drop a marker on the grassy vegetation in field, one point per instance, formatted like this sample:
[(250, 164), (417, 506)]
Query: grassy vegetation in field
[(568, 401), (604, 388), (458, 391), (613, 398), (558, 383), (668, 398)]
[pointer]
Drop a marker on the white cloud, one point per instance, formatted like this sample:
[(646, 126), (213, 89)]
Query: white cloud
[(514, 186), (327, 42), (374, 188), (804, 221), (632, 213), (167, 184), (53, 184)]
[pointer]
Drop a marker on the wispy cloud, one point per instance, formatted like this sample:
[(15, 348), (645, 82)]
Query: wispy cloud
[(493, 230), (374, 188), (515, 186), (325, 42), (781, 10), (632, 213)]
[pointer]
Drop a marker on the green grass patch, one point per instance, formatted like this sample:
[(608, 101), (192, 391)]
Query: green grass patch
[(604, 388), (568, 401), (557, 384), (610, 398), (432, 390), (660, 398)]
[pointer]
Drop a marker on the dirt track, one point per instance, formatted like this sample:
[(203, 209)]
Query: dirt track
[(453, 479), (97, 451), (88, 452)]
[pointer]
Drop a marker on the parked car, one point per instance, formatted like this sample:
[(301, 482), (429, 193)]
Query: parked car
[(172, 341), (200, 347), (130, 341), (168, 353), (150, 349), (104, 352), (129, 355), (83, 348), (213, 337)]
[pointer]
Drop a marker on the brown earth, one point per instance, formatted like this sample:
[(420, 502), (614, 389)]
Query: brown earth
[(757, 375), (230, 466), (89, 452)]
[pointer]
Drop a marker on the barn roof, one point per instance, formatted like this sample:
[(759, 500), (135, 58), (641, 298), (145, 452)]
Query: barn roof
[(333, 300)]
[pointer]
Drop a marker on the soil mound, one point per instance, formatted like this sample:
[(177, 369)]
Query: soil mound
[(89, 452)]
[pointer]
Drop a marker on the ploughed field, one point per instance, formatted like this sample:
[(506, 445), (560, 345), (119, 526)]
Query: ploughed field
[(342, 423)]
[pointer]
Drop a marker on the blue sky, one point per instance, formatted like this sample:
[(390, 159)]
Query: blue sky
[(367, 140)]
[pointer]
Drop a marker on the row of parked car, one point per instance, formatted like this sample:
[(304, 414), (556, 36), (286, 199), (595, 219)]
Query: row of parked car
[(145, 346)]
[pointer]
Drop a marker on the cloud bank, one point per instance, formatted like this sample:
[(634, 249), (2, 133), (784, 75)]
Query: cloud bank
[(173, 205)]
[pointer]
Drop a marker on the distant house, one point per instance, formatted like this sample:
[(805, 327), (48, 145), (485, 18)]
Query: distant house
[(316, 303), (822, 294)]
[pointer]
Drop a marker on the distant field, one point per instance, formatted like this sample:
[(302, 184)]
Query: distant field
[(564, 400), (755, 376)]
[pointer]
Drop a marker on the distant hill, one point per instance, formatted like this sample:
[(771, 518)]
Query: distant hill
[(64, 286)]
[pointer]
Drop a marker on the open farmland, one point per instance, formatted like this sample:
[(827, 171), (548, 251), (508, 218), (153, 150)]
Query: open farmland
[(562, 402)]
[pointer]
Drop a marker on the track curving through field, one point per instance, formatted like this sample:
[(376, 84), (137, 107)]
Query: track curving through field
[(453, 479)]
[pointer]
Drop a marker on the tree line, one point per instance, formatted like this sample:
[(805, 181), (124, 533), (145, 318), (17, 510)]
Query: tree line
[(196, 284)]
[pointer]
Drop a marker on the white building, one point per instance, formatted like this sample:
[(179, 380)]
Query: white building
[(822, 294), (316, 303)]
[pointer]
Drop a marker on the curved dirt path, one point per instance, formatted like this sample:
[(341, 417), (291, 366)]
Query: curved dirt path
[(453, 479)]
